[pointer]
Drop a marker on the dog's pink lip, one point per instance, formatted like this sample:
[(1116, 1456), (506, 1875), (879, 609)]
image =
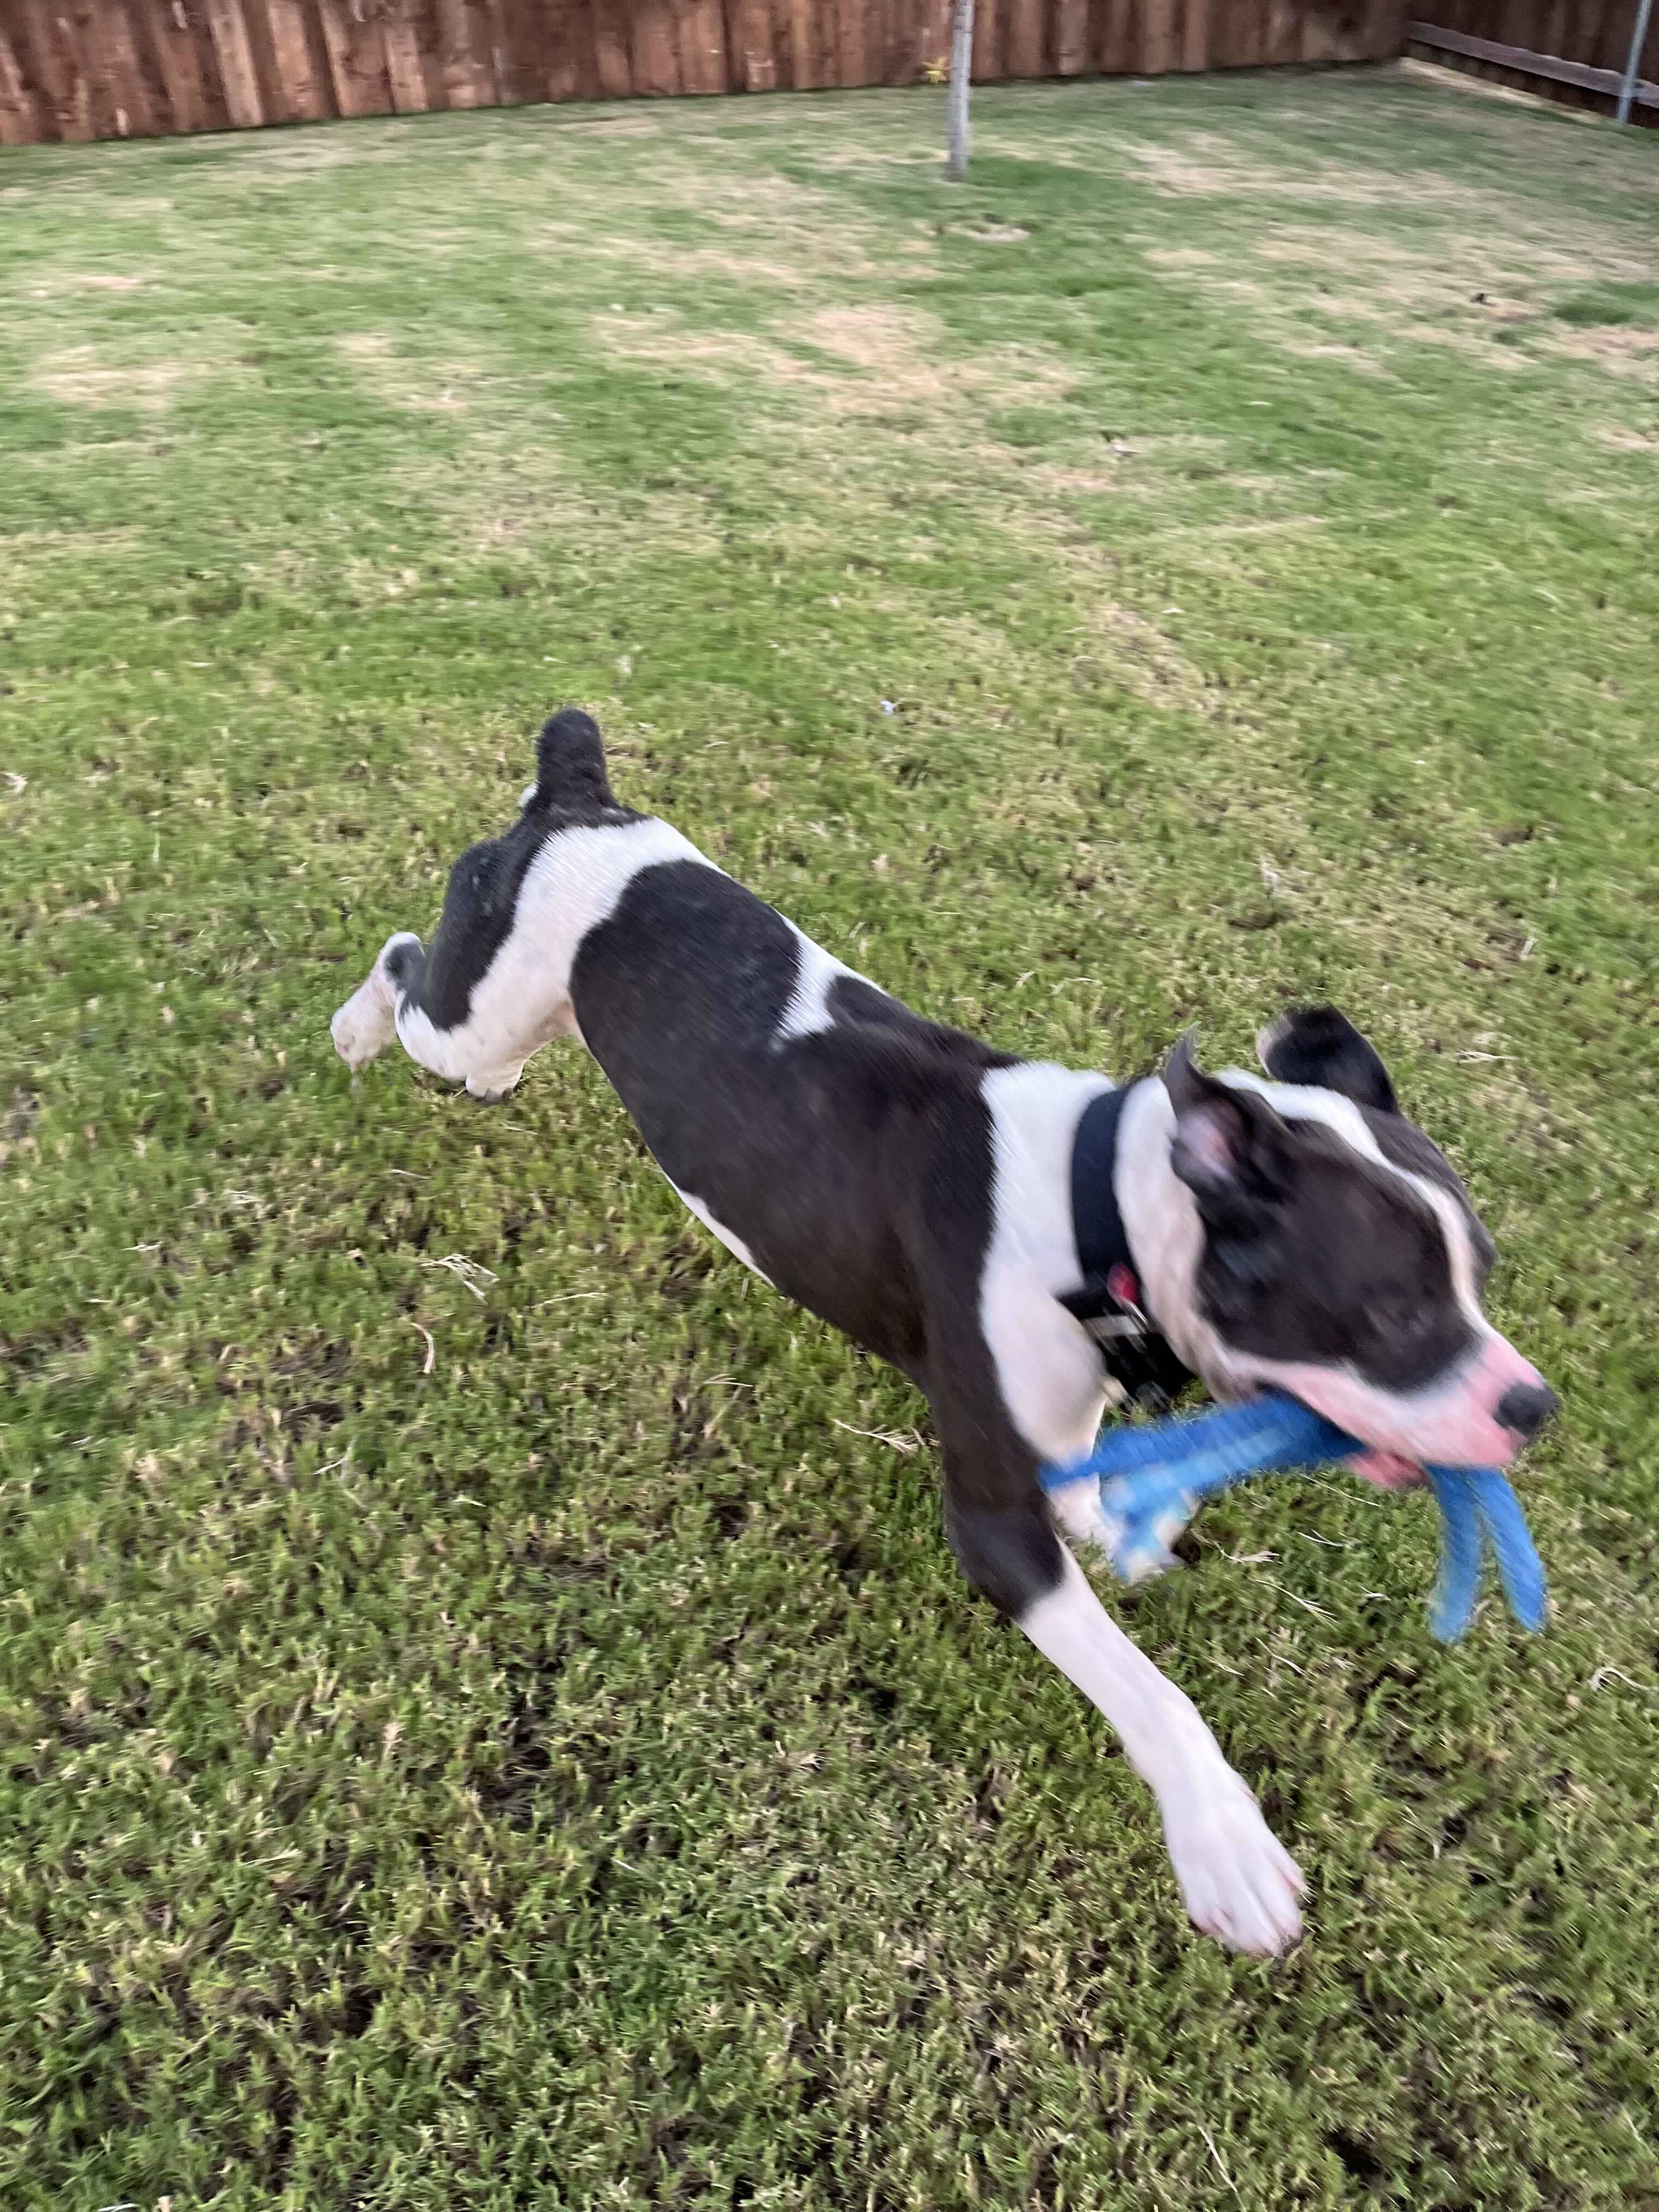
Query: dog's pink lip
[(1388, 1470)]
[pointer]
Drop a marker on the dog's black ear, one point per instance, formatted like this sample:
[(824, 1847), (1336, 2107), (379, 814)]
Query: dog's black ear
[(1230, 1148), (1317, 1045)]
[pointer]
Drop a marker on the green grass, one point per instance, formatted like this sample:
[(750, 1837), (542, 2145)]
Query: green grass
[(574, 1777)]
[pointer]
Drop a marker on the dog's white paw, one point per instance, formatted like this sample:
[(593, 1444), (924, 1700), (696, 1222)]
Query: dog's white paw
[(366, 1022), (490, 1086), (1238, 1881)]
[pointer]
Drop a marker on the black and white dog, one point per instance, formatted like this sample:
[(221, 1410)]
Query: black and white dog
[(956, 1210)]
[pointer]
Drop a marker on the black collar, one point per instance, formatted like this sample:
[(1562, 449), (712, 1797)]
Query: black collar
[(1131, 1346)]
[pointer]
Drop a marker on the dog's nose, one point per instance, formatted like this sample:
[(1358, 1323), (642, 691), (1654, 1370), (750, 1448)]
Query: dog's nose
[(1524, 1408)]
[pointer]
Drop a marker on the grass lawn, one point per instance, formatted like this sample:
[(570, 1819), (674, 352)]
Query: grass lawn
[(490, 1718)]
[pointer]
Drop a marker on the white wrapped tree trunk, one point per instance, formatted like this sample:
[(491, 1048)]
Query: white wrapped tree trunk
[(962, 62)]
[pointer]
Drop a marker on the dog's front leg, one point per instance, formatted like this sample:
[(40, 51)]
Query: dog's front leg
[(367, 1022), (488, 1056), (1239, 1883)]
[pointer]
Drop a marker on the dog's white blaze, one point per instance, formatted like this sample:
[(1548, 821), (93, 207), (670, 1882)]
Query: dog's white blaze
[(1307, 1103), (1047, 1370), (732, 1243), (522, 1000), (808, 1010)]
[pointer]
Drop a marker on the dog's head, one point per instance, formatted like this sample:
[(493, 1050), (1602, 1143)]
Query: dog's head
[(1312, 1239)]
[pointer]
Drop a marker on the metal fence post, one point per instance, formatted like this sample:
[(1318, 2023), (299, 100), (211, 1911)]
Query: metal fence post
[(1633, 66)]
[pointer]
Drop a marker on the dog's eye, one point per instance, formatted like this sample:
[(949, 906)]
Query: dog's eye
[(1401, 1319), (1247, 1262)]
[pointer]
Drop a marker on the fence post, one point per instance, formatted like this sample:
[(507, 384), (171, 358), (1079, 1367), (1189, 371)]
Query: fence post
[(961, 64), (1633, 66)]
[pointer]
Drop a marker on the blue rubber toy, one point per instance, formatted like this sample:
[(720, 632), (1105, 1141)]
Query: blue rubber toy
[(1152, 1478)]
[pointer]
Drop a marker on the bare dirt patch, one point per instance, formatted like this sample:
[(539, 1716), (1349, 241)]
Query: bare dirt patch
[(1626, 352), (857, 360), (1334, 350), (77, 378)]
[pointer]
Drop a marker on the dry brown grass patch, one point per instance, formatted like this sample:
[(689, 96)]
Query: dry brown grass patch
[(77, 378)]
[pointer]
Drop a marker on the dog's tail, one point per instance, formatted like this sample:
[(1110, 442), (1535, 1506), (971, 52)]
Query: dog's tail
[(570, 769)]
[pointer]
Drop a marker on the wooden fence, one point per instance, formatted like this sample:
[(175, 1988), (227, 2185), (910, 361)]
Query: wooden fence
[(118, 69), (1570, 49)]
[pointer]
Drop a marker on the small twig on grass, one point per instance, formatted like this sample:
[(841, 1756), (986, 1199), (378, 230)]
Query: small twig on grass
[(431, 1359), (900, 1443), (1306, 1603), (469, 1273), (1220, 2164), (1617, 1674)]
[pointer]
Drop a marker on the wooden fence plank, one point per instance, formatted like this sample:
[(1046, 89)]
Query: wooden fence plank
[(60, 37), (812, 43), (176, 59), (403, 66), (514, 45), (910, 40), (235, 58), (1284, 34), (872, 34), (1071, 37), (141, 18), (421, 16), (1351, 30), (753, 62), (1342, 31), (566, 54), (1114, 37), (352, 95), (611, 48), (465, 63), (121, 71), (42, 75), (844, 44), (653, 51), (783, 15), (1618, 21), (703, 45), (492, 42), (1318, 40), (1196, 33), (1024, 43), (1250, 50), (897, 28), (300, 91), (987, 65), (1160, 37), (798, 42), (20, 122), (1388, 41)]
